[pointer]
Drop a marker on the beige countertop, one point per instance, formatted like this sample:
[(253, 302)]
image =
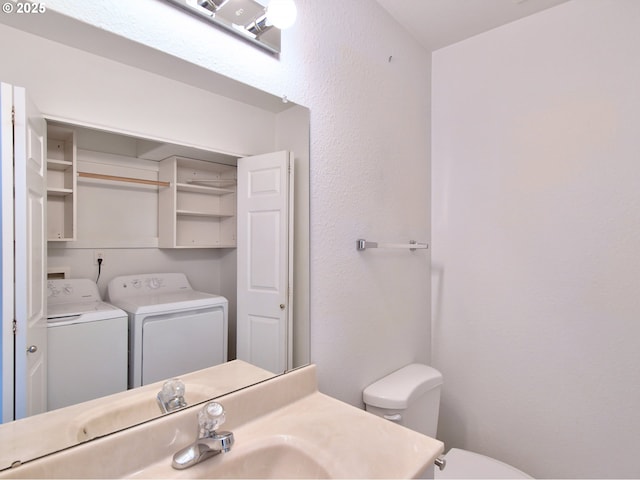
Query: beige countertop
[(281, 422)]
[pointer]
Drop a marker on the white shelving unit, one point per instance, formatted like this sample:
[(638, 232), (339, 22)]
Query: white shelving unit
[(198, 210), (61, 183)]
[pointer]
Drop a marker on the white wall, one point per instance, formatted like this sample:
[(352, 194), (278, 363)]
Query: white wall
[(536, 229), (369, 164), (202, 266)]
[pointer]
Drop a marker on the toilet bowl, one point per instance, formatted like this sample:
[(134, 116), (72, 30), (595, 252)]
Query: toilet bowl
[(466, 464), (411, 397)]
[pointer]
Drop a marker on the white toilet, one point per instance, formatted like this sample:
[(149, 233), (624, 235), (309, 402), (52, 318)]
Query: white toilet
[(411, 397)]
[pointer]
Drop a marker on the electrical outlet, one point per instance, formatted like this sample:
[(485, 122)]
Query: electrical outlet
[(96, 255)]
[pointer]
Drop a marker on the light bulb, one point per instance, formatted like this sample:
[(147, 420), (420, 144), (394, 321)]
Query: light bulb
[(281, 13)]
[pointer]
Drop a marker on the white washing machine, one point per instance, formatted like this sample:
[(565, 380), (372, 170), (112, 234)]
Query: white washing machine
[(86, 344), (173, 329)]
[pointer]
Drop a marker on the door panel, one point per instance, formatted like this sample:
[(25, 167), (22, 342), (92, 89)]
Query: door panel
[(30, 257), (264, 251), (265, 342)]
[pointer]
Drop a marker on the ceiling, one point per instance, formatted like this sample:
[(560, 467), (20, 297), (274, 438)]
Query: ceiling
[(438, 23)]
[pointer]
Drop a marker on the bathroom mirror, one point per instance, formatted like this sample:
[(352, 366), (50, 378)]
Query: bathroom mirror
[(107, 89)]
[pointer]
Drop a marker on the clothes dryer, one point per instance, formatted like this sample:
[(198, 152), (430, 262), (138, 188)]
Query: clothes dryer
[(86, 344), (173, 329)]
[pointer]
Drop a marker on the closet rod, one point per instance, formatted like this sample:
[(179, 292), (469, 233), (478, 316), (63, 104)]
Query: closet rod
[(362, 244), (123, 179)]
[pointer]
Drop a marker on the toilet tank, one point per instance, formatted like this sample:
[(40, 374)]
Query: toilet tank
[(409, 396)]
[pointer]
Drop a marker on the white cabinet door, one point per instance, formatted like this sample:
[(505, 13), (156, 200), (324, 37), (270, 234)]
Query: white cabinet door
[(30, 198), (263, 260)]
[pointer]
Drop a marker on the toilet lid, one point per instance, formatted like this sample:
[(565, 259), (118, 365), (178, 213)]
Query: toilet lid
[(465, 464)]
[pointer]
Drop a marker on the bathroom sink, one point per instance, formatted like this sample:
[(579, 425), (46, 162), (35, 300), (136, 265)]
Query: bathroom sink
[(275, 461), (277, 456), (271, 456), (125, 412)]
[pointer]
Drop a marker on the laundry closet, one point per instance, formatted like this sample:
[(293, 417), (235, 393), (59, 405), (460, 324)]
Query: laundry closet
[(121, 205)]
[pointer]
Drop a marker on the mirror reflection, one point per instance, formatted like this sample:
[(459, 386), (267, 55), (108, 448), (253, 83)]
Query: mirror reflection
[(140, 237)]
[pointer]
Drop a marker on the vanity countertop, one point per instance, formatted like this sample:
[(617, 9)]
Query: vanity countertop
[(341, 440)]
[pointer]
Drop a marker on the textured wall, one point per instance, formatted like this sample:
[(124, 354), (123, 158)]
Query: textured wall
[(536, 228), (367, 85)]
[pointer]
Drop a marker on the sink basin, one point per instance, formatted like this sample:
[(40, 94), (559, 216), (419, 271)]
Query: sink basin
[(273, 456), (123, 413), (272, 462), (277, 456)]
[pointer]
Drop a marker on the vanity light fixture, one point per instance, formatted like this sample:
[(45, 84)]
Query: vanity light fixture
[(256, 27), (211, 5), (278, 13), (258, 21), (281, 13)]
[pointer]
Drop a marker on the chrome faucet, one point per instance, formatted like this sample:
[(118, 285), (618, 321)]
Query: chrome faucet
[(209, 442), (171, 397)]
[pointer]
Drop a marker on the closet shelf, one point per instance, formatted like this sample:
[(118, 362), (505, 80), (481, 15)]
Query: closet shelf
[(209, 190), (206, 245), (215, 182), (194, 213), (199, 209), (62, 183), (60, 165)]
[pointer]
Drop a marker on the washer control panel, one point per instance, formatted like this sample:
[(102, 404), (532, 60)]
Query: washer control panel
[(72, 290)]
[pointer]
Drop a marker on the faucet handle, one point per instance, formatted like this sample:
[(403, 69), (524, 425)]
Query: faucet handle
[(173, 388), (171, 396), (211, 417)]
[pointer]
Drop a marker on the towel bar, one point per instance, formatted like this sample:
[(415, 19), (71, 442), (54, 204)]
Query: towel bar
[(362, 244)]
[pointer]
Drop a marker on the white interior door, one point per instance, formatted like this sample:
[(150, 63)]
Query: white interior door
[(263, 260), (30, 197), (6, 163)]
